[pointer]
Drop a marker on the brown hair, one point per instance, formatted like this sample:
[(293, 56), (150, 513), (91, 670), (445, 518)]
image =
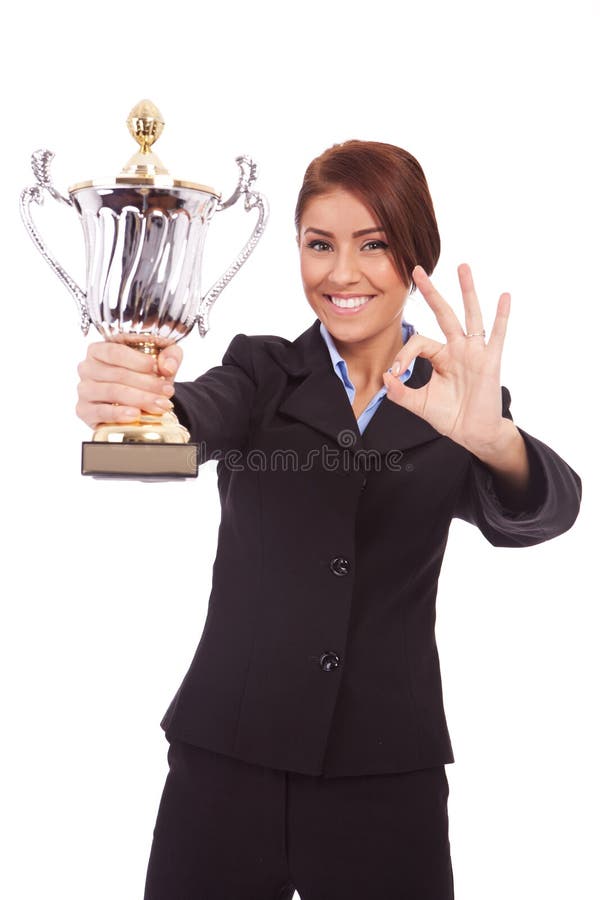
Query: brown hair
[(391, 184)]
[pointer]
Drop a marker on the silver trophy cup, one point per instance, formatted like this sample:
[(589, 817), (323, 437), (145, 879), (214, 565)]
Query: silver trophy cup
[(144, 237)]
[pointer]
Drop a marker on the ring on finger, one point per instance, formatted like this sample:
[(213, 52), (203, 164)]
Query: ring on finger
[(476, 333)]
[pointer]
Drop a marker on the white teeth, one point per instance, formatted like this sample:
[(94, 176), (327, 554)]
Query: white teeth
[(349, 303)]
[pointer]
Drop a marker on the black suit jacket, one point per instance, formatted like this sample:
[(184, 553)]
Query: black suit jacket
[(318, 653)]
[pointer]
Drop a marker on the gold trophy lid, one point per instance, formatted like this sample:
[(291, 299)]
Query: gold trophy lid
[(144, 168)]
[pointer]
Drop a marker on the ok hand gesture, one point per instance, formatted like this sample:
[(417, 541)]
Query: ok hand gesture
[(462, 399)]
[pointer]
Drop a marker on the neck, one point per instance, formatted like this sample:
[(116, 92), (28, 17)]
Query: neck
[(368, 359)]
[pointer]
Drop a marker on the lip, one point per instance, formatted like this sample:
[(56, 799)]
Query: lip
[(340, 311)]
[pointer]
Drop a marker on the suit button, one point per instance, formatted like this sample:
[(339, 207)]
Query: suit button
[(339, 565), (329, 661)]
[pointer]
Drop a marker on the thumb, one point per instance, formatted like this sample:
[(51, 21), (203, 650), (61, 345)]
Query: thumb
[(169, 360)]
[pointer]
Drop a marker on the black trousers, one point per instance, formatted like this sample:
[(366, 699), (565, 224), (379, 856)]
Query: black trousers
[(230, 830)]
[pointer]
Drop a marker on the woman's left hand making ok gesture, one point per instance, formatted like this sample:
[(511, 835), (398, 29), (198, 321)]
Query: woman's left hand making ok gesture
[(462, 399)]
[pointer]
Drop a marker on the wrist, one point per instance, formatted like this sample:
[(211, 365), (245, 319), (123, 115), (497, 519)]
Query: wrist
[(507, 457), (503, 445)]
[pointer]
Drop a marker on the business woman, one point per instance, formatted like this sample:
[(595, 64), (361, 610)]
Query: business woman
[(307, 741)]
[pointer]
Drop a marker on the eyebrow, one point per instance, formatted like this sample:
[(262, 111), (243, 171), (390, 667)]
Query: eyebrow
[(355, 234)]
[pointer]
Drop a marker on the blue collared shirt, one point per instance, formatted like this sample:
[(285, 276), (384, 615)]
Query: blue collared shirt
[(341, 370)]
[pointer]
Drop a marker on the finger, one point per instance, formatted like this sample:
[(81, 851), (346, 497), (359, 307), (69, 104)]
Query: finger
[(123, 395), (496, 341), (416, 345), (409, 398), (117, 354), (169, 360), (473, 315), (92, 370), (447, 319), (94, 414)]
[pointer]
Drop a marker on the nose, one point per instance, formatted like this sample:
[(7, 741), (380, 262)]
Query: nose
[(345, 267)]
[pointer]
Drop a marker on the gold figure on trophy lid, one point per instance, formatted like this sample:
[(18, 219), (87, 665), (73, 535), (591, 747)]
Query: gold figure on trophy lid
[(145, 123)]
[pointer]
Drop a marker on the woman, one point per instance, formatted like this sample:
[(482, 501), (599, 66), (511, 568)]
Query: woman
[(308, 739)]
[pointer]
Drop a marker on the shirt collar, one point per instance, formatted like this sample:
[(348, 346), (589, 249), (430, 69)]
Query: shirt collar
[(339, 362)]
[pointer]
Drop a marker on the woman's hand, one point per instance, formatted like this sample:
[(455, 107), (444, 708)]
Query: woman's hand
[(118, 383), (462, 399)]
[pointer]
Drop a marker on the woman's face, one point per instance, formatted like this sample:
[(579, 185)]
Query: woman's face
[(347, 269)]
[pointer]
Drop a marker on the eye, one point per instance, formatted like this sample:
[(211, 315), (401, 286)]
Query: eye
[(375, 245), (319, 246)]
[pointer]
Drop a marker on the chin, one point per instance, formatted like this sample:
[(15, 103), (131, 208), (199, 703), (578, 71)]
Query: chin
[(350, 332)]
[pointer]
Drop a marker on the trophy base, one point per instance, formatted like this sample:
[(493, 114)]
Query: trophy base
[(149, 462), (153, 448)]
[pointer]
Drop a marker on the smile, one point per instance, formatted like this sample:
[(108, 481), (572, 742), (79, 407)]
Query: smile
[(348, 302)]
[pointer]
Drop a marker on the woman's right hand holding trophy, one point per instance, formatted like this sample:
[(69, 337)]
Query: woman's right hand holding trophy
[(118, 383)]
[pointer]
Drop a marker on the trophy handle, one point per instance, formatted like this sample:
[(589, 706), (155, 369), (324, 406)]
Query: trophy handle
[(252, 199), (40, 163)]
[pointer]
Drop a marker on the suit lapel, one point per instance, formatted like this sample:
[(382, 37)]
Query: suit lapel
[(318, 398)]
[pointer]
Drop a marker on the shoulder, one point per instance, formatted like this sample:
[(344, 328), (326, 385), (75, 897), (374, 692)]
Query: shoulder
[(260, 354), (253, 351)]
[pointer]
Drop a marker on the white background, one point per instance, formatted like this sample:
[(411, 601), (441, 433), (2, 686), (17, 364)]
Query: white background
[(105, 584)]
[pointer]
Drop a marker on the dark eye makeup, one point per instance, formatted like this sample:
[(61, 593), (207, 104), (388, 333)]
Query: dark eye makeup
[(318, 244), (376, 245), (321, 245)]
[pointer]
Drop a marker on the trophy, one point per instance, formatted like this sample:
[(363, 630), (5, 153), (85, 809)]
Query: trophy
[(144, 235)]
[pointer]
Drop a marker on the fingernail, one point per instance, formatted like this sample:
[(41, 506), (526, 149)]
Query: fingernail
[(170, 365), (168, 388), (396, 369), (164, 403)]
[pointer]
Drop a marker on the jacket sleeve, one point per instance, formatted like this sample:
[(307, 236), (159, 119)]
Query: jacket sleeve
[(216, 407), (547, 508)]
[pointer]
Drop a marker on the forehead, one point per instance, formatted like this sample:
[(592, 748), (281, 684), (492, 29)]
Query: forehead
[(337, 211)]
